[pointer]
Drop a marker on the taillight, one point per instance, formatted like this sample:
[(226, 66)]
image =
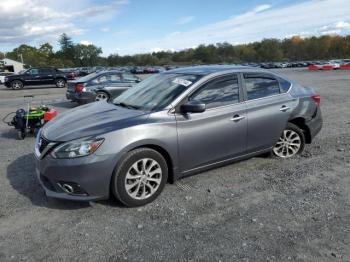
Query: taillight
[(317, 99), (79, 88)]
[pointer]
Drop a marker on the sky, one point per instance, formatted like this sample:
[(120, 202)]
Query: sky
[(143, 26)]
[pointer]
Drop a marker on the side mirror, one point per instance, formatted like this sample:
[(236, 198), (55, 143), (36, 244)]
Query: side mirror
[(193, 107)]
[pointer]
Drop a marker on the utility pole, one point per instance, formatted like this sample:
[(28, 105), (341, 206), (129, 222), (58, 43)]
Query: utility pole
[(21, 58)]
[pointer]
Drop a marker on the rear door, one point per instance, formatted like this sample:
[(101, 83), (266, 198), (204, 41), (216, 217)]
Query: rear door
[(46, 76), (217, 134), (268, 110)]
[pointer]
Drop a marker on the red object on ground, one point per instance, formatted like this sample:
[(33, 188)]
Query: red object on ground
[(328, 67), (49, 115), (345, 67), (313, 67)]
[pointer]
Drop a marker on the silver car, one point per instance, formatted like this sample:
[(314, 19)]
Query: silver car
[(172, 125)]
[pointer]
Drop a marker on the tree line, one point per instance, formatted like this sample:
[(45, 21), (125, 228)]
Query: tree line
[(268, 50)]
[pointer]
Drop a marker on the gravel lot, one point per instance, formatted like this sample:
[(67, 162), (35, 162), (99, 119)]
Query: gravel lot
[(261, 209)]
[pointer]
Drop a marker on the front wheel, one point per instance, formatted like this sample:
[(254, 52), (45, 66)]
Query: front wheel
[(16, 84), (140, 177), (290, 143), (60, 83)]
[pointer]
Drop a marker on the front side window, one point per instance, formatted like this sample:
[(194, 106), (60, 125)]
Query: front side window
[(156, 92), (33, 71), (259, 86), (219, 92)]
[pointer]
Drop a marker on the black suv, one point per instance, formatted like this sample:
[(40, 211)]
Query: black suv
[(36, 76)]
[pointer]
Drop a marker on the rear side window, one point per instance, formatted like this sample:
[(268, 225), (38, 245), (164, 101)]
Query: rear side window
[(259, 86), (284, 84), (114, 77), (219, 92), (45, 71)]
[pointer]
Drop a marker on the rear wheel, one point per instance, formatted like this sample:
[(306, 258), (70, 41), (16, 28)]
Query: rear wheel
[(16, 84), (140, 177), (60, 83), (290, 143), (101, 96)]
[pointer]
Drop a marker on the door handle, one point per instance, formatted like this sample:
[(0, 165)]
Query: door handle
[(237, 118), (284, 108)]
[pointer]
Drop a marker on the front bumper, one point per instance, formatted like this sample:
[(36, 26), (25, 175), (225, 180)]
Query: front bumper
[(92, 174)]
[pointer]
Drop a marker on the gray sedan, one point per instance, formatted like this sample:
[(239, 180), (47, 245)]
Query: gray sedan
[(99, 86), (172, 125)]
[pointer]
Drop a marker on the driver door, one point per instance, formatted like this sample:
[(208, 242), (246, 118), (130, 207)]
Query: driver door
[(217, 134), (32, 77)]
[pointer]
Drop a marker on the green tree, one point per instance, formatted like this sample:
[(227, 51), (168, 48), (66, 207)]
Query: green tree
[(86, 55)]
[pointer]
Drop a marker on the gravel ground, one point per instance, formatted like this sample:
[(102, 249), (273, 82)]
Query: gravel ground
[(261, 209)]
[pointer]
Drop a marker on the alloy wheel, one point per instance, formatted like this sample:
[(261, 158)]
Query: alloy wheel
[(60, 83), (288, 144), (143, 179), (17, 85), (101, 97)]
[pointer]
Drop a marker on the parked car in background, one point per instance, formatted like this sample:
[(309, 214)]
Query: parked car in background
[(3, 75), (36, 76), (98, 86), (172, 125), (137, 70), (70, 73)]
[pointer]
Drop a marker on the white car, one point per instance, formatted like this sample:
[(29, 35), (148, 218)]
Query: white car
[(3, 75), (335, 63)]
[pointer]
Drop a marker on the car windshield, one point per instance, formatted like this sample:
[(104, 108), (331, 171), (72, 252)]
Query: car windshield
[(156, 92)]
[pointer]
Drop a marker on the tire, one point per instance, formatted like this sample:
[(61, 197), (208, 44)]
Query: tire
[(101, 96), (290, 143), (16, 84), (131, 172), (60, 83)]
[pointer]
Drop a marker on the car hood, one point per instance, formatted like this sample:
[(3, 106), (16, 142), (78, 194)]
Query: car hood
[(90, 120)]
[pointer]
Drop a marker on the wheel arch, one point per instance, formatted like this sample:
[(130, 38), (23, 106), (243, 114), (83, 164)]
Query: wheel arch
[(300, 122), (166, 156), (19, 80)]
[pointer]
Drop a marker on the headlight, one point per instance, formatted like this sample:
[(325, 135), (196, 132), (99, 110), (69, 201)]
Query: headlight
[(6, 78), (75, 149)]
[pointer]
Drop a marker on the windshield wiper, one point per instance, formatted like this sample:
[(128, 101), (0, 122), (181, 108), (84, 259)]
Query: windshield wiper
[(127, 106)]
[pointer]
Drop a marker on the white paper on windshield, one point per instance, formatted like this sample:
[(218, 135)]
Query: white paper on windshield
[(182, 82)]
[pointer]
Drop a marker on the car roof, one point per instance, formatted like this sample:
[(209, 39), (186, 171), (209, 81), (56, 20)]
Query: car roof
[(209, 69)]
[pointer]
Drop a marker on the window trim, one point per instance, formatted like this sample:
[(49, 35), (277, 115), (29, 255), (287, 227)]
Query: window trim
[(240, 92)]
